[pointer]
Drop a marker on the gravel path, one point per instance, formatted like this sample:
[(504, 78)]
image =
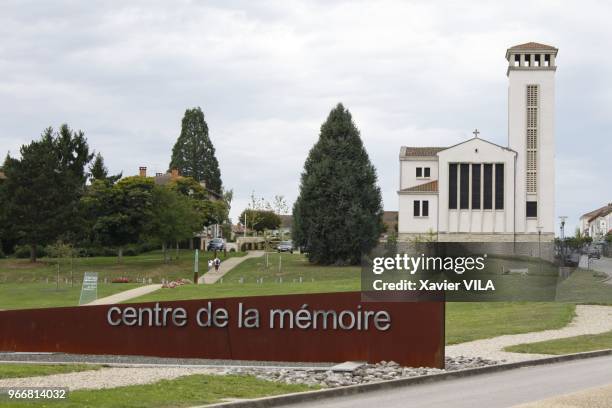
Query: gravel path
[(323, 377), (125, 295), (226, 266), (106, 377), (588, 320)]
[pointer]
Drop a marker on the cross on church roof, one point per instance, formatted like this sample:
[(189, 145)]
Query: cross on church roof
[(476, 132)]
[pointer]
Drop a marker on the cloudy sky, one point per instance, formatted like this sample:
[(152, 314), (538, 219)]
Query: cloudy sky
[(267, 73)]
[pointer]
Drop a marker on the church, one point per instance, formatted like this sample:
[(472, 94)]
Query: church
[(479, 191)]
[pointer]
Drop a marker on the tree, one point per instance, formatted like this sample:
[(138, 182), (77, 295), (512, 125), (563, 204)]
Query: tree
[(174, 217), (98, 171), (338, 214), (121, 213), (260, 220), (279, 205), (43, 188), (210, 211), (194, 154)]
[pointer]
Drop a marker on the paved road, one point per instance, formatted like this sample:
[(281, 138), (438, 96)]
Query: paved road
[(503, 389), (603, 265)]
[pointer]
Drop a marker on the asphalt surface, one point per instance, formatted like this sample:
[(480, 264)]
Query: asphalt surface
[(503, 389)]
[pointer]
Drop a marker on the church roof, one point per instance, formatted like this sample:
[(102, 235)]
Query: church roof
[(431, 187), (409, 151)]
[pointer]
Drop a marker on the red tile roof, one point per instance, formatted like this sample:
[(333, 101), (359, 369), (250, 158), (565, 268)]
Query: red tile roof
[(431, 187), (600, 212), (408, 151)]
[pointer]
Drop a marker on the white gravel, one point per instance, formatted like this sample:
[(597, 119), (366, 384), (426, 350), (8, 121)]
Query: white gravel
[(588, 320), (106, 377)]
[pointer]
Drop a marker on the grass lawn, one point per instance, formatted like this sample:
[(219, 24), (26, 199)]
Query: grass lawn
[(472, 321), (181, 392), (37, 295), (30, 285), (34, 370), (584, 286), (569, 345)]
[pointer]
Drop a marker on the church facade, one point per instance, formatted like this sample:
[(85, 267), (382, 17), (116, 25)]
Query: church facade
[(479, 191)]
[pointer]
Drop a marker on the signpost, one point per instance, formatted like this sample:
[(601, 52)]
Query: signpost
[(196, 267), (89, 291)]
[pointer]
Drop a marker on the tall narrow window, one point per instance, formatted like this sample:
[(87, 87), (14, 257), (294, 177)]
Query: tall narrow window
[(476, 186), (499, 186), (417, 208), (487, 188), (464, 186), (419, 172), (452, 186), (532, 139), (425, 208), (426, 172)]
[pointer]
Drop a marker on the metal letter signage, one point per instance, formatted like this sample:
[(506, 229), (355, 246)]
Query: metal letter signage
[(326, 327)]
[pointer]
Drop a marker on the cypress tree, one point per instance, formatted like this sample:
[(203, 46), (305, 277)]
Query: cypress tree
[(194, 154), (338, 214)]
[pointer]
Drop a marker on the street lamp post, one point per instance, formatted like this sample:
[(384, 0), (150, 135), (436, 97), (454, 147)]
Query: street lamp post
[(563, 218), (540, 247)]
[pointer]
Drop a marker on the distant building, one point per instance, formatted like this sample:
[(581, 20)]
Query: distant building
[(2, 176), (597, 223)]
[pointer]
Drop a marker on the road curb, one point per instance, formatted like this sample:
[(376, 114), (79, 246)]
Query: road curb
[(294, 398)]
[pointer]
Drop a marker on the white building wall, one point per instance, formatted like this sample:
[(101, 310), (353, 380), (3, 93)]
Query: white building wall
[(408, 168), (468, 220), (408, 223), (517, 137)]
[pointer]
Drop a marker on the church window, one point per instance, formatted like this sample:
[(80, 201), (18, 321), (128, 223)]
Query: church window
[(476, 186), (452, 186), (499, 186), (426, 172), (425, 208), (419, 172), (417, 208), (487, 199), (532, 209), (464, 198), (420, 208)]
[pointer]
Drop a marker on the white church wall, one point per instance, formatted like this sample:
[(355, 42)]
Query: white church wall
[(408, 168), (476, 151)]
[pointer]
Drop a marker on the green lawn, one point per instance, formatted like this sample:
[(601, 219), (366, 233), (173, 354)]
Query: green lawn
[(472, 321), (37, 295), (34, 370), (286, 280), (569, 345), (584, 286), (30, 285), (181, 392)]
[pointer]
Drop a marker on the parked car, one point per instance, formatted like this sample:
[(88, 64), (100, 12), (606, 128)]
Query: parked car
[(216, 244), (285, 246)]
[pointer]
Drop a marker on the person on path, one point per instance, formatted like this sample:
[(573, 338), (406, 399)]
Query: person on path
[(217, 263)]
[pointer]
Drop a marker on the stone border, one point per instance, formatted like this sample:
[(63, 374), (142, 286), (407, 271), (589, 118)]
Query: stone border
[(274, 401)]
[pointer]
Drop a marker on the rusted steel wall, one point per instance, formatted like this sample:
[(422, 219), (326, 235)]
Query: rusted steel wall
[(415, 336)]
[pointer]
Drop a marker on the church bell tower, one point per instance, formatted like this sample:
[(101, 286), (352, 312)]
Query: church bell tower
[(531, 133)]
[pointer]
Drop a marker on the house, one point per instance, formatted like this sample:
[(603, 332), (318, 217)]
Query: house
[(479, 191), (597, 223)]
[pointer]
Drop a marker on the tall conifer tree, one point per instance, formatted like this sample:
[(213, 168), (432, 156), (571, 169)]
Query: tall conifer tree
[(194, 154), (338, 214)]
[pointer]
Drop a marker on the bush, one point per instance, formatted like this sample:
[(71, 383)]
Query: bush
[(23, 251)]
